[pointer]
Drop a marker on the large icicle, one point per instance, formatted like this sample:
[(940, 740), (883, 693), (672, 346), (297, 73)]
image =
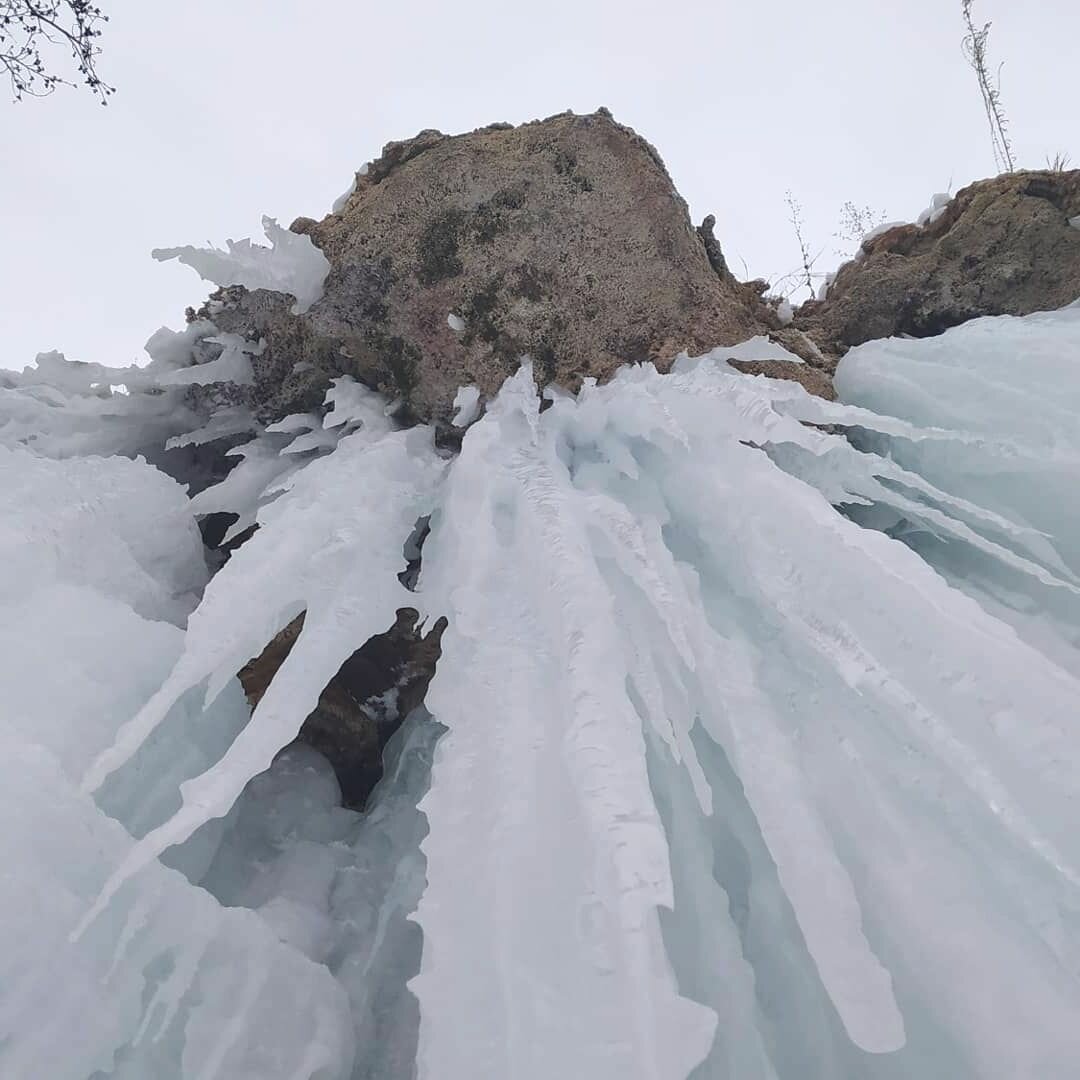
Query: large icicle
[(733, 784), (901, 754), (330, 546), (546, 859), (96, 556)]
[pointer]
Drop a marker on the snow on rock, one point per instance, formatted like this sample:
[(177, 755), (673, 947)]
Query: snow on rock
[(64, 409), (938, 205), (1004, 247), (291, 264), (343, 198), (878, 230), (466, 405), (232, 366), (758, 348)]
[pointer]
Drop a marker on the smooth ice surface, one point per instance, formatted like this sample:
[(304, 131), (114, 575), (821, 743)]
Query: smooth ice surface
[(291, 264), (994, 406), (167, 984), (337, 885)]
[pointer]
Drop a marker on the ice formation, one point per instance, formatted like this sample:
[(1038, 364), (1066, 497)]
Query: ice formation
[(100, 560), (752, 750), (994, 407), (292, 264), (466, 406)]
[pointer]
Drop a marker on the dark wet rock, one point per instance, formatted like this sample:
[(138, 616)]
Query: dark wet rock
[(365, 702)]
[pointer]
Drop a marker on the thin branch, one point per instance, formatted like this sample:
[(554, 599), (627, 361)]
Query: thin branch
[(806, 277), (27, 25), (975, 50)]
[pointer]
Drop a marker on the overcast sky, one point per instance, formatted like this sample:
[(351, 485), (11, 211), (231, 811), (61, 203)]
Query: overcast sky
[(228, 109)]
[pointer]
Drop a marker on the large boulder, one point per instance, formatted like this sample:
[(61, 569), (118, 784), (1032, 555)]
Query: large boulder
[(1001, 247), (563, 239)]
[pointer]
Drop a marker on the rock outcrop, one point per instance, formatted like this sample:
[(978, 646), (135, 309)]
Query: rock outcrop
[(363, 704), (563, 239), (1002, 247)]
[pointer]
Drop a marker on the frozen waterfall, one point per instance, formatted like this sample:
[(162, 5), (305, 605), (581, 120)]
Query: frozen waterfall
[(753, 750)]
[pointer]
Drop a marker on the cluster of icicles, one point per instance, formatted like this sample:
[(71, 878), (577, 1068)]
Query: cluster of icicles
[(753, 751)]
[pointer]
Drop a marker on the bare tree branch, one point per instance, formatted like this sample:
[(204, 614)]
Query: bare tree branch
[(26, 26), (806, 277)]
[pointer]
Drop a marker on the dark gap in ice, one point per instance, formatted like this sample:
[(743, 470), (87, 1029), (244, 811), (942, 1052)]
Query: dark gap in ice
[(365, 702)]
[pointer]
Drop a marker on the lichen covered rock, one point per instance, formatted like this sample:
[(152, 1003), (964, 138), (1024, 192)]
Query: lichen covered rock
[(562, 239), (1002, 247)]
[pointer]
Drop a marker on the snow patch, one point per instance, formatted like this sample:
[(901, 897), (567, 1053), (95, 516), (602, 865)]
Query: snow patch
[(757, 348), (938, 205), (466, 406)]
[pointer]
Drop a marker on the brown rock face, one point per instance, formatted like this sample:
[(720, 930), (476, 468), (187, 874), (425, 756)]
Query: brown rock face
[(812, 379), (363, 704), (563, 239), (1002, 247)]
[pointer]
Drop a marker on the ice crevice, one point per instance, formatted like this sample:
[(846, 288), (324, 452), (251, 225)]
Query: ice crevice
[(751, 750)]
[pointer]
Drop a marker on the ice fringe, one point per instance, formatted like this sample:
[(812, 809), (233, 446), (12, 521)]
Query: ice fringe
[(99, 561), (292, 264), (733, 784)]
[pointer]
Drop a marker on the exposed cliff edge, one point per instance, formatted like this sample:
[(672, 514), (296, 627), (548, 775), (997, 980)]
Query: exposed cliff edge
[(1005, 246), (562, 239)]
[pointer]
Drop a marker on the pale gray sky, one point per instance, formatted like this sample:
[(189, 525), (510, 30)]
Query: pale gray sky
[(226, 109)]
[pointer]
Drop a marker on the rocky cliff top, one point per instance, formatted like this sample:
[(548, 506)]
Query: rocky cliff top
[(562, 239), (1004, 246), (565, 240)]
